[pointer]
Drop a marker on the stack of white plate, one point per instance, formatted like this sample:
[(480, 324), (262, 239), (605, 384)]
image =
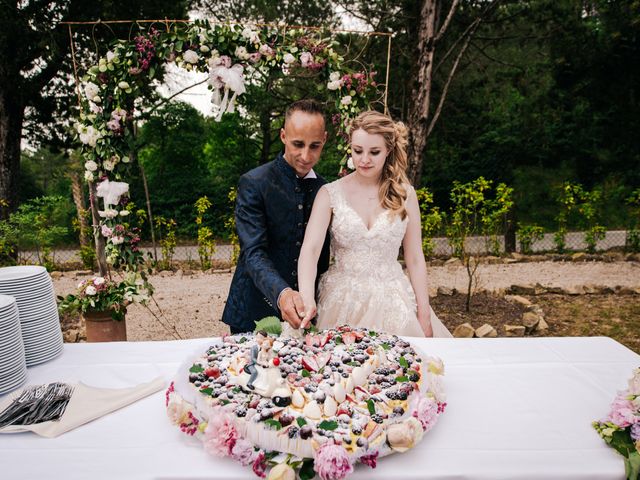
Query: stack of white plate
[(33, 290), (13, 367)]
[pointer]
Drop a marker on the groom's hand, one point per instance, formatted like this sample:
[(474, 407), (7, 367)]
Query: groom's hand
[(291, 307)]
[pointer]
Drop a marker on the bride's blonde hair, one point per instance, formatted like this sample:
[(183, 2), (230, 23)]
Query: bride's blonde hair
[(393, 180)]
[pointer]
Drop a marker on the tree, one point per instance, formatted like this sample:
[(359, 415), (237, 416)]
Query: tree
[(36, 68)]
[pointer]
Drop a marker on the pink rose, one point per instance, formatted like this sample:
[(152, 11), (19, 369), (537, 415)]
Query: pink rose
[(243, 452), (221, 435), (622, 412), (106, 231), (427, 413), (306, 59), (332, 462)]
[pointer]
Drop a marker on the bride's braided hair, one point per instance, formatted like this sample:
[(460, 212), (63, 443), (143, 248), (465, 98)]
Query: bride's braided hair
[(393, 180)]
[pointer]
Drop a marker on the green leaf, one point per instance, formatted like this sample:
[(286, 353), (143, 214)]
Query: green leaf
[(242, 340), (307, 471), (207, 391), (403, 362), (385, 345), (632, 465), (353, 364), (328, 425), (196, 369), (273, 423), (373, 333), (305, 373), (179, 44), (301, 421), (337, 340), (402, 379), (371, 406), (269, 325)]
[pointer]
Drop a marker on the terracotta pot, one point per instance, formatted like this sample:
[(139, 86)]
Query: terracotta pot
[(102, 328)]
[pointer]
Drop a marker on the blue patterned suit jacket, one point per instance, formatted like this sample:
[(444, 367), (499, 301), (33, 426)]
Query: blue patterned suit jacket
[(272, 210)]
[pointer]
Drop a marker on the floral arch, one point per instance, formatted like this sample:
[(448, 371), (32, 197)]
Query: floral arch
[(232, 55)]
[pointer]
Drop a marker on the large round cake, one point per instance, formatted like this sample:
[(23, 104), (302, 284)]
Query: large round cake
[(313, 404)]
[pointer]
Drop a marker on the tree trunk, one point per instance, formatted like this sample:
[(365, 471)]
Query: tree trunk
[(11, 118), (421, 91), (78, 200), (510, 232)]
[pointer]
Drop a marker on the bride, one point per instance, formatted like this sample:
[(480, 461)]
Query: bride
[(370, 214)]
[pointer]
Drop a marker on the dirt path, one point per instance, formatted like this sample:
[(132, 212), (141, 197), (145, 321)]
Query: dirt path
[(194, 303)]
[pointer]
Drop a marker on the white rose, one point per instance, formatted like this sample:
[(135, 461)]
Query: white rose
[(124, 213), (282, 471), (249, 34), (108, 213), (335, 85), (117, 239), (350, 165), (403, 436), (190, 56), (108, 165), (266, 50), (177, 409), (241, 53), (91, 90), (346, 100), (90, 290), (89, 136), (98, 281), (288, 58), (634, 383), (93, 108), (90, 165), (88, 176), (110, 56), (335, 76)]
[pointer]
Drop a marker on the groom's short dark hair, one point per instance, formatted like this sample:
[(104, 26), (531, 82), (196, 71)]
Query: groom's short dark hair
[(307, 105)]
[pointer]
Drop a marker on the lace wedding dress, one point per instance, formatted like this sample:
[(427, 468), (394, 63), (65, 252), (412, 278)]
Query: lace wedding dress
[(365, 286)]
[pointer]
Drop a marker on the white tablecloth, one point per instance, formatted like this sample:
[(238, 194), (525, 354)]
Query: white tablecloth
[(517, 409)]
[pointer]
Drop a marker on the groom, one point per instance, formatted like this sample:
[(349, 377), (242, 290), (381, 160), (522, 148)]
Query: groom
[(272, 209)]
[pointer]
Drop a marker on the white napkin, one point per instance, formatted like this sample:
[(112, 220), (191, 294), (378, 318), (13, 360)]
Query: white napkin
[(86, 404)]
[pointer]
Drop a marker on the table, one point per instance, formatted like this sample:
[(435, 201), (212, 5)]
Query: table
[(518, 408)]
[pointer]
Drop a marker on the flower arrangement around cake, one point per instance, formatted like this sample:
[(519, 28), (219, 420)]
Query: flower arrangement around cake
[(621, 427), (307, 405)]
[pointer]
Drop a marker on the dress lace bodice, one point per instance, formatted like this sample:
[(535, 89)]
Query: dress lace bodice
[(365, 286)]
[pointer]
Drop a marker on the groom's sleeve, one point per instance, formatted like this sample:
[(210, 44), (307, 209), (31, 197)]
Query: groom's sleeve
[(251, 225)]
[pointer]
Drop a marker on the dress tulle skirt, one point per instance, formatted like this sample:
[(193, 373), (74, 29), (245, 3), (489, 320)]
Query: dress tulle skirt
[(386, 305)]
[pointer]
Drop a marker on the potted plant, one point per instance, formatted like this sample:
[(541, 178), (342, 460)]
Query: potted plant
[(102, 303)]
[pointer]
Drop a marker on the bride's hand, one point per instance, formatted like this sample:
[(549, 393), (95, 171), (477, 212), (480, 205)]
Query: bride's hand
[(309, 312), (425, 324)]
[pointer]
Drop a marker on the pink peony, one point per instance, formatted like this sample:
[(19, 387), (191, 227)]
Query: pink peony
[(260, 465), (332, 462), (243, 452), (622, 412), (427, 413), (221, 435)]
